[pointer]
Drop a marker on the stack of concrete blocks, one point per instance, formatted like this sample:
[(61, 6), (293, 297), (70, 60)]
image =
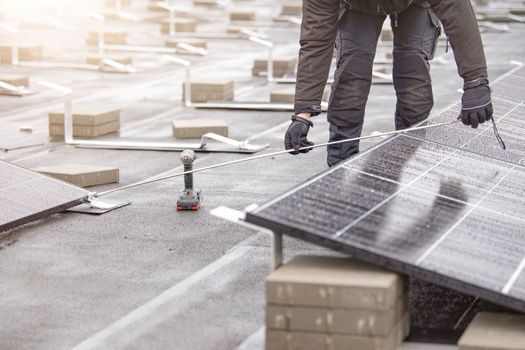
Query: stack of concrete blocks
[(208, 3), (87, 122), (181, 25), (294, 8), (153, 5), (518, 11), (329, 303), (210, 90), (17, 80), (25, 53), (81, 175), (196, 128), (113, 3), (111, 37), (237, 30), (288, 95), (281, 66), (481, 2), (492, 331), (200, 43), (242, 15)]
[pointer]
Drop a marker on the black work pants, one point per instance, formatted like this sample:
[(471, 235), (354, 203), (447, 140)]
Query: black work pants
[(416, 31)]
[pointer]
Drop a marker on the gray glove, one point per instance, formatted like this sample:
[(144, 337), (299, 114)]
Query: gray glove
[(296, 135), (476, 103)]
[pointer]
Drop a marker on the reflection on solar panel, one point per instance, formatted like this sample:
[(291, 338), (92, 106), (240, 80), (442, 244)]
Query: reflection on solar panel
[(26, 196), (446, 205)]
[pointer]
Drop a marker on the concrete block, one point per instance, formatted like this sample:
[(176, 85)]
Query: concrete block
[(281, 340), (519, 11), (387, 34), (87, 115), (153, 6), (110, 38), (25, 53), (491, 331), (208, 3), (87, 122), (97, 59), (195, 128), (294, 8), (181, 25), (336, 321), (190, 41), (234, 30), (288, 96), (113, 3), (82, 175), (281, 66), (15, 80), (242, 15), (334, 283), (210, 90), (57, 130)]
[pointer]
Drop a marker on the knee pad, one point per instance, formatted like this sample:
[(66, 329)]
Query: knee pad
[(413, 87), (350, 90)]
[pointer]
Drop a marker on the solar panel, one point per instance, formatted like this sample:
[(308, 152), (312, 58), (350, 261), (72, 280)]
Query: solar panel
[(26, 196), (446, 205)]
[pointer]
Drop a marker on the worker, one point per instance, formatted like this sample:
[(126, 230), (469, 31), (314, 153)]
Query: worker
[(357, 24)]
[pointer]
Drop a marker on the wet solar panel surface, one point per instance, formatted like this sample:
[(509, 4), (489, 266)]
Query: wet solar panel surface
[(26, 196), (446, 205)]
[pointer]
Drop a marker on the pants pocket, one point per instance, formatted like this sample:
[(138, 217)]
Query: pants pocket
[(432, 34)]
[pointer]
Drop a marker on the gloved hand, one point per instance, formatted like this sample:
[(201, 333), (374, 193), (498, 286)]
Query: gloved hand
[(476, 103), (296, 135)]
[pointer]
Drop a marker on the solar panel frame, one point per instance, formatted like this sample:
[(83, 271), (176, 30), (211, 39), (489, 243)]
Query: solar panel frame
[(26, 196), (506, 174)]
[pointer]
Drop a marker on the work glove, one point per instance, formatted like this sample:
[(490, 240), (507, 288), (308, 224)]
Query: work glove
[(296, 135), (476, 103)]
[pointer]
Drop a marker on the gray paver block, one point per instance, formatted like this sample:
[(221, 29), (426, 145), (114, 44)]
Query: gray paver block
[(25, 53), (210, 90), (181, 25), (88, 121), (81, 175), (335, 283), (279, 340), (292, 8), (87, 115), (190, 129), (242, 15), (111, 37), (336, 321), (492, 331)]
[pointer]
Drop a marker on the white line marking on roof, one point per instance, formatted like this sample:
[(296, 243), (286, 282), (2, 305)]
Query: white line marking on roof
[(136, 316)]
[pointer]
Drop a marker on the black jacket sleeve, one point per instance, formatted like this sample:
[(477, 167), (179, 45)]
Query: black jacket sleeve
[(318, 33), (460, 23)]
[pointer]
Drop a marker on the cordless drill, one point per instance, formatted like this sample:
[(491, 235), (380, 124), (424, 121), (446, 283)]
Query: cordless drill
[(189, 198)]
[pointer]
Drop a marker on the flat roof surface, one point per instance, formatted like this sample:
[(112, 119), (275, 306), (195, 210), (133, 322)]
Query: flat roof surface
[(145, 276)]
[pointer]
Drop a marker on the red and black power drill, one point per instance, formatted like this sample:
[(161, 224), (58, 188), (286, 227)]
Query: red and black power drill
[(189, 198)]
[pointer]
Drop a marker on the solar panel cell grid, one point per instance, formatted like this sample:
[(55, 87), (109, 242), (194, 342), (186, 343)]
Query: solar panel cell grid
[(446, 204)]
